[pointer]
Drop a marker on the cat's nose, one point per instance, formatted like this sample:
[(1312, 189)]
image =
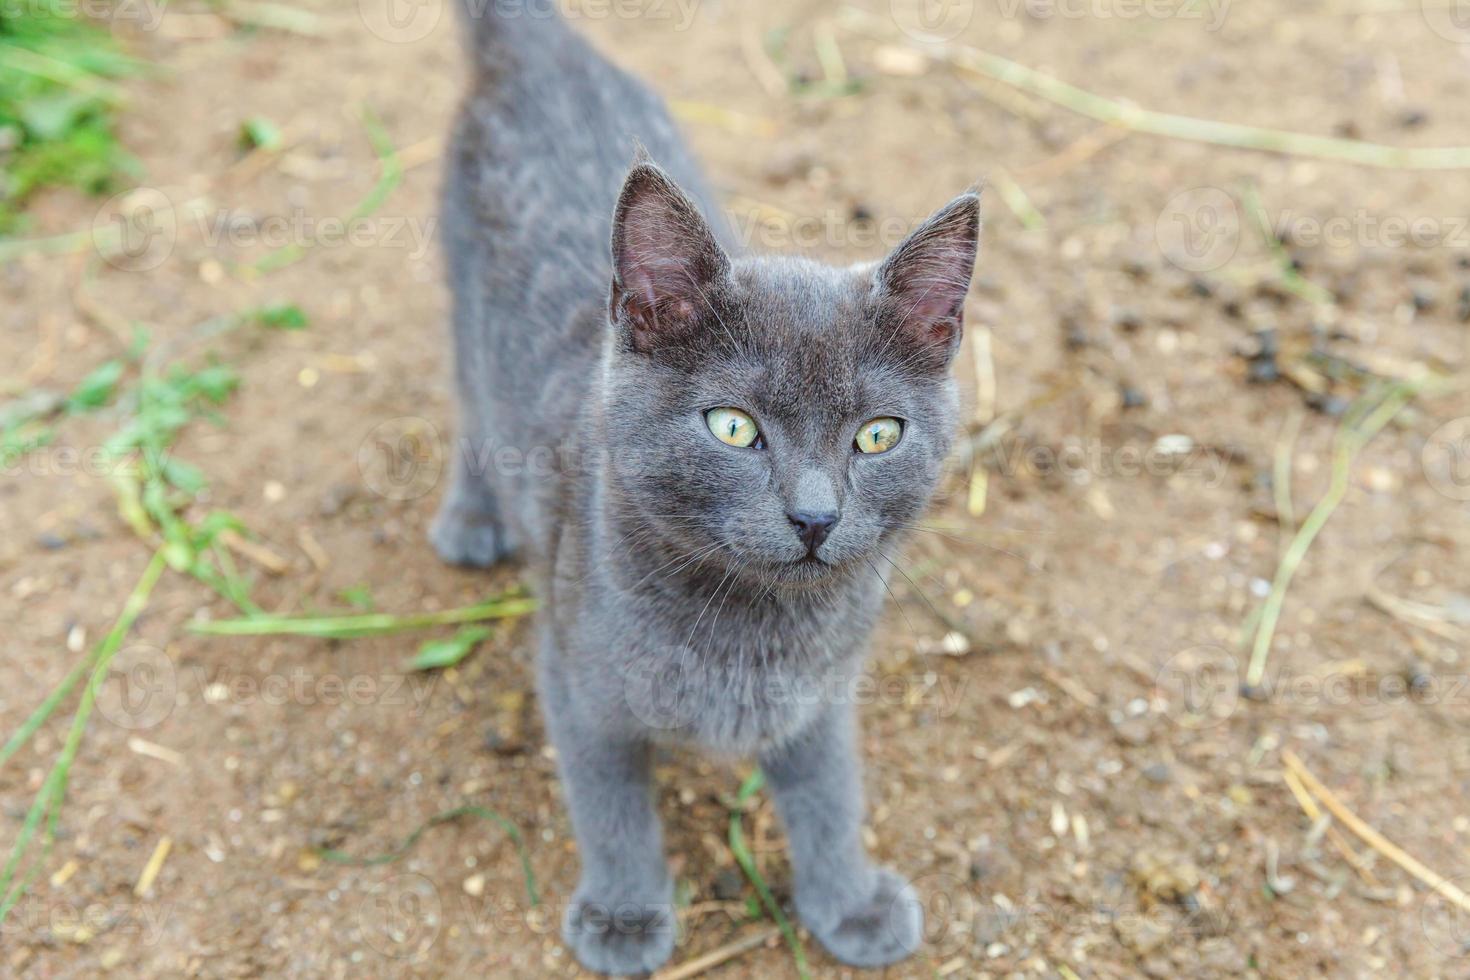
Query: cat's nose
[(812, 528)]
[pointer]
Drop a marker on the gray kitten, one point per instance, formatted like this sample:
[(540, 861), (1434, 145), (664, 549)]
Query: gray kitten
[(705, 457)]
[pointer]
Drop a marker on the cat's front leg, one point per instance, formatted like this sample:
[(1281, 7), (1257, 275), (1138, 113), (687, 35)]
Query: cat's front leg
[(469, 528), (865, 915), (621, 917)]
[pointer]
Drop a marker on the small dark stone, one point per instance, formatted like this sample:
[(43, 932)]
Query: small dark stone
[(335, 499), (1412, 118), (1262, 368), (1202, 288), (1073, 336), (1133, 398), (1158, 773), (1423, 297), (1348, 130), (50, 541), (1231, 308), (1261, 371), (1126, 319), (1254, 692), (1137, 268), (729, 885), (1420, 680), (503, 744), (1330, 405), (1267, 343), (860, 213), (1462, 308)]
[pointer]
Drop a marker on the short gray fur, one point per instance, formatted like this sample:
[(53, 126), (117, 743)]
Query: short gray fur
[(597, 318)]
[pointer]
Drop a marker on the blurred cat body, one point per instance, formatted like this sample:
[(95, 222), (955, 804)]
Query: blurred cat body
[(694, 590)]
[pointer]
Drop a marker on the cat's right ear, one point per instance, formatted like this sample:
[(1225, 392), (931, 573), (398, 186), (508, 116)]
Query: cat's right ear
[(665, 259)]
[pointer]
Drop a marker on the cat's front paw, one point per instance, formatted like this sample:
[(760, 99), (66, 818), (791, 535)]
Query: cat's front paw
[(876, 929), (462, 538), (623, 939)]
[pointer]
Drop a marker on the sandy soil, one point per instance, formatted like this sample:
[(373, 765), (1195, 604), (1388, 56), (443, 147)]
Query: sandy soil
[(1071, 777)]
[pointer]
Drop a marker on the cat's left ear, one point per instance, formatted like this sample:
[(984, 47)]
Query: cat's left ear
[(666, 262), (921, 286)]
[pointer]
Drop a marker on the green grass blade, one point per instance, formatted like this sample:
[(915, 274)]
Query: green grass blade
[(448, 816), (44, 711), (367, 624), (52, 793), (746, 860)]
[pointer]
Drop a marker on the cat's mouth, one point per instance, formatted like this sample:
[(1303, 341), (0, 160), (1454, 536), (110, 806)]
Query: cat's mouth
[(809, 569)]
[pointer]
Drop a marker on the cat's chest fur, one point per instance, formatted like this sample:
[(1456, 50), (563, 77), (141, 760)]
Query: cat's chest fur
[(719, 667)]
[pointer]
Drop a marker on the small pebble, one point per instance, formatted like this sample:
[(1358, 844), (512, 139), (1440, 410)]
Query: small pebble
[(1330, 405), (729, 885), (1158, 773), (1126, 319), (1423, 297), (1073, 336)]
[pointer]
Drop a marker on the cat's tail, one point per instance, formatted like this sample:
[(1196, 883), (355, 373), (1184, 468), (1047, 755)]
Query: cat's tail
[(497, 31)]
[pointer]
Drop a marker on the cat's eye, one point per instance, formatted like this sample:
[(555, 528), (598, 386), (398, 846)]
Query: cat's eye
[(878, 435), (734, 428)]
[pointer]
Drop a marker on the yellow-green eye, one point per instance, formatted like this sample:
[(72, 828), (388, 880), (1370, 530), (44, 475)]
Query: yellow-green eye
[(878, 435), (733, 427)]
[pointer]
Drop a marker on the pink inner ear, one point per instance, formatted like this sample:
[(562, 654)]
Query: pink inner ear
[(927, 277), (664, 254), (930, 306)]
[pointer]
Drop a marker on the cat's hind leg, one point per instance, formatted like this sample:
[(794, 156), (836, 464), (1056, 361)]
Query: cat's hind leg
[(469, 528)]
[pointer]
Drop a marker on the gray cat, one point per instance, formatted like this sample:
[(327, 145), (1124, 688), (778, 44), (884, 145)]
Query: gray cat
[(705, 458)]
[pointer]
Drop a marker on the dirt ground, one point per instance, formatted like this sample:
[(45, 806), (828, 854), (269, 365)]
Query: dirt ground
[(1058, 750)]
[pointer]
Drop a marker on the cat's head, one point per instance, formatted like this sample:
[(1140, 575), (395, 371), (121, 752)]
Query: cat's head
[(776, 416)]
